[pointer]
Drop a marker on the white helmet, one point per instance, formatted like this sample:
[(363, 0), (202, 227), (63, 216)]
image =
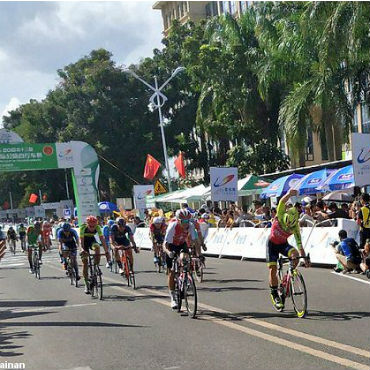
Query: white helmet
[(183, 214), (157, 220)]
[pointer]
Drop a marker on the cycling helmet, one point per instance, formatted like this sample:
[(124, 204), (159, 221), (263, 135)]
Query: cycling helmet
[(66, 226), (21, 225), (36, 224), (183, 214), (92, 221), (157, 220), (205, 216), (120, 221), (110, 223), (291, 217), (11, 228)]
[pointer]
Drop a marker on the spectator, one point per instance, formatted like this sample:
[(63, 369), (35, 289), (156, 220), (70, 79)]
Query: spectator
[(347, 252), (365, 264), (244, 215), (345, 208), (307, 218), (258, 210), (320, 214), (363, 219), (336, 212)]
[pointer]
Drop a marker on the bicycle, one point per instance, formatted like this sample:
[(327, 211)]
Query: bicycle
[(12, 245), (185, 288), (71, 272), (35, 261), (95, 279), (114, 264), (23, 244), (291, 284), (160, 255), (128, 270)]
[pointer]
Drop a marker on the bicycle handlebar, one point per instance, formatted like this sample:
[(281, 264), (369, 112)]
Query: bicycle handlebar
[(289, 259)]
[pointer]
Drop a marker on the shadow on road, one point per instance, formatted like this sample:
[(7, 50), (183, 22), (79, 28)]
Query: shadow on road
[(7, 348), (226, 289), (223, 281), (14, 304), (72, 324)]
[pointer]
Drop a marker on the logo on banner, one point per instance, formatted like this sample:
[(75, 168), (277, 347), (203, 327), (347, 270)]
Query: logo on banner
[(224, 181), (48, 150), (362, 158), (66, 154), (314, 181), (293, 182), (345, 177), (145, 194)]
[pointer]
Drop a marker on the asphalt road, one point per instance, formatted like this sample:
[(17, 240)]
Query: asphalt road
[(49, 324)]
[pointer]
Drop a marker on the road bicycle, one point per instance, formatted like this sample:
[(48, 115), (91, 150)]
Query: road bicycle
[(128, 271), (160, 256), (114, 264), (71, 272), (23, 244), (95, 279), (12, 245), (36, 261), (291, 284), (185, 288)]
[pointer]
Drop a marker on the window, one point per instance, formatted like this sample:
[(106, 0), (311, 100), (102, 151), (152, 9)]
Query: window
[(324, 148), (309, 147), (225, 7), (355, 121), (233, 7), (365, 114)]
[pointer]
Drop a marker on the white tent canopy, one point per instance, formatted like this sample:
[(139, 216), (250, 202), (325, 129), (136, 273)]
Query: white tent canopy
[(186, 195)]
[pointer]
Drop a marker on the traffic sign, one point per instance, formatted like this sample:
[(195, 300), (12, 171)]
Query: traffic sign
[(159, 188)]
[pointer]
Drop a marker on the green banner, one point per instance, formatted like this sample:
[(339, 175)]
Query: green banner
[(22, 156)]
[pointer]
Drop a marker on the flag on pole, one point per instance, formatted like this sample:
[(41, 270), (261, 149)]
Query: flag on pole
[(179, 163), (151, 167), (33, 198)]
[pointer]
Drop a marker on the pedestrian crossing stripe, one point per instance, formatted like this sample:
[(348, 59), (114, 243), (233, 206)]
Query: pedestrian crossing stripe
[(159, 188)]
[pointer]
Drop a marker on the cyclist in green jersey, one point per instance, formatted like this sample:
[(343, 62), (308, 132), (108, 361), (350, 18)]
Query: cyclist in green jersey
[(33, 240), (284, 225), (88, 241)]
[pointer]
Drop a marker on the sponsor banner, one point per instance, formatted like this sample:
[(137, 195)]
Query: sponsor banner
[(23, 157), (140, 194), (64, 153), (249, 242), (224, 184), (361, 158)]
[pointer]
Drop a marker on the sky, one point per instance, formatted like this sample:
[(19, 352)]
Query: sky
[(37, 38)]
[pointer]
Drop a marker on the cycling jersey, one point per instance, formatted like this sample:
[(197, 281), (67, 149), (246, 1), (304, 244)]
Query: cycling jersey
[(32, 235), (106, 233), (156, 231), (89, 235), (176, 234), (279, 230), (12, 234), (22, 232), (69, 240), (121, 237)]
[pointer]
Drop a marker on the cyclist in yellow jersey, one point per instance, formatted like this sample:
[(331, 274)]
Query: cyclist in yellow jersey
[(88, 241), (284, 225)]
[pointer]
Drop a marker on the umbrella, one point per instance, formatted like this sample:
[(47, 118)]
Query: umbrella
[(344, 195), (339, 179), (107, 207), (252, 185), (309, 183), (280, 186)]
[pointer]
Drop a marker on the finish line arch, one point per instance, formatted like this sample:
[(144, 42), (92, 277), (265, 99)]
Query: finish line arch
[(16, 156)]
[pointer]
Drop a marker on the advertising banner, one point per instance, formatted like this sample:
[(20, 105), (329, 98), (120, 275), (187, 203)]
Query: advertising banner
[(224, 184), (361, 158), (140, 194)]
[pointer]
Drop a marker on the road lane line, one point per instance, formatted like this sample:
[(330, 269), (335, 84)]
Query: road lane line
[(351, 277), (54, 307)]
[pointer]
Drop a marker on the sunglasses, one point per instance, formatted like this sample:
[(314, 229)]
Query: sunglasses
[(184, 221)]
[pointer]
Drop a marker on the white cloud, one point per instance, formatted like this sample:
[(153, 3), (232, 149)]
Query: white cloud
[(13, 104)]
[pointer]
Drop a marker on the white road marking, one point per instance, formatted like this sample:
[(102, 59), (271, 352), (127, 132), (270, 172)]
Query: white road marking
[(12, 264), (351, 277), (53, 308)]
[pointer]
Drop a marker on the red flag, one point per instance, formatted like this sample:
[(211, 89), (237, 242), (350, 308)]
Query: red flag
[(33, 198), (179, 163), (6, 205), (151, 167)]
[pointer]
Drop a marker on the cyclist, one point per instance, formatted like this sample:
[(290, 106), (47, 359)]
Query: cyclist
[(106, 233), (34, 240), (157, 231), (175, 243), (22, 236), (122, 239), (88, 241), (46, 231), (284, 225), (12, 237), (196, 239), (68, 239)]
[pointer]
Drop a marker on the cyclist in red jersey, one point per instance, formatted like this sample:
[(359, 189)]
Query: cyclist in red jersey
[(175, 243), (284, 225)]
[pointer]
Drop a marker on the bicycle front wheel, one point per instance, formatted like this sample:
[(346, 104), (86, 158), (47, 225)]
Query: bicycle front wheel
[(99, 285), (190, 296), (298, 294)]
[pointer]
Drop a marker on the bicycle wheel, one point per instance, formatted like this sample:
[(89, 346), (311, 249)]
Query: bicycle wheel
[(132, 276), (179, 292), (298, 294), (159, 263), (190, 296), (37, 269), (198, 270), (72, 274), (126, 270), (14, 246), (99, 281)]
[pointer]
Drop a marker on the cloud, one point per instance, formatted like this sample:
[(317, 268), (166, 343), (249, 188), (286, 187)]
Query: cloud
[(13, 104), (40, 37)]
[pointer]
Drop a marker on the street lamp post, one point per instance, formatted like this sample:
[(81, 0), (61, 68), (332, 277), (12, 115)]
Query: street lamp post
[(157, 100)]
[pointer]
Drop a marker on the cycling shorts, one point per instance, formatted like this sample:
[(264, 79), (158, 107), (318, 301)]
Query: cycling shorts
[(273, 250), (177, 249)]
